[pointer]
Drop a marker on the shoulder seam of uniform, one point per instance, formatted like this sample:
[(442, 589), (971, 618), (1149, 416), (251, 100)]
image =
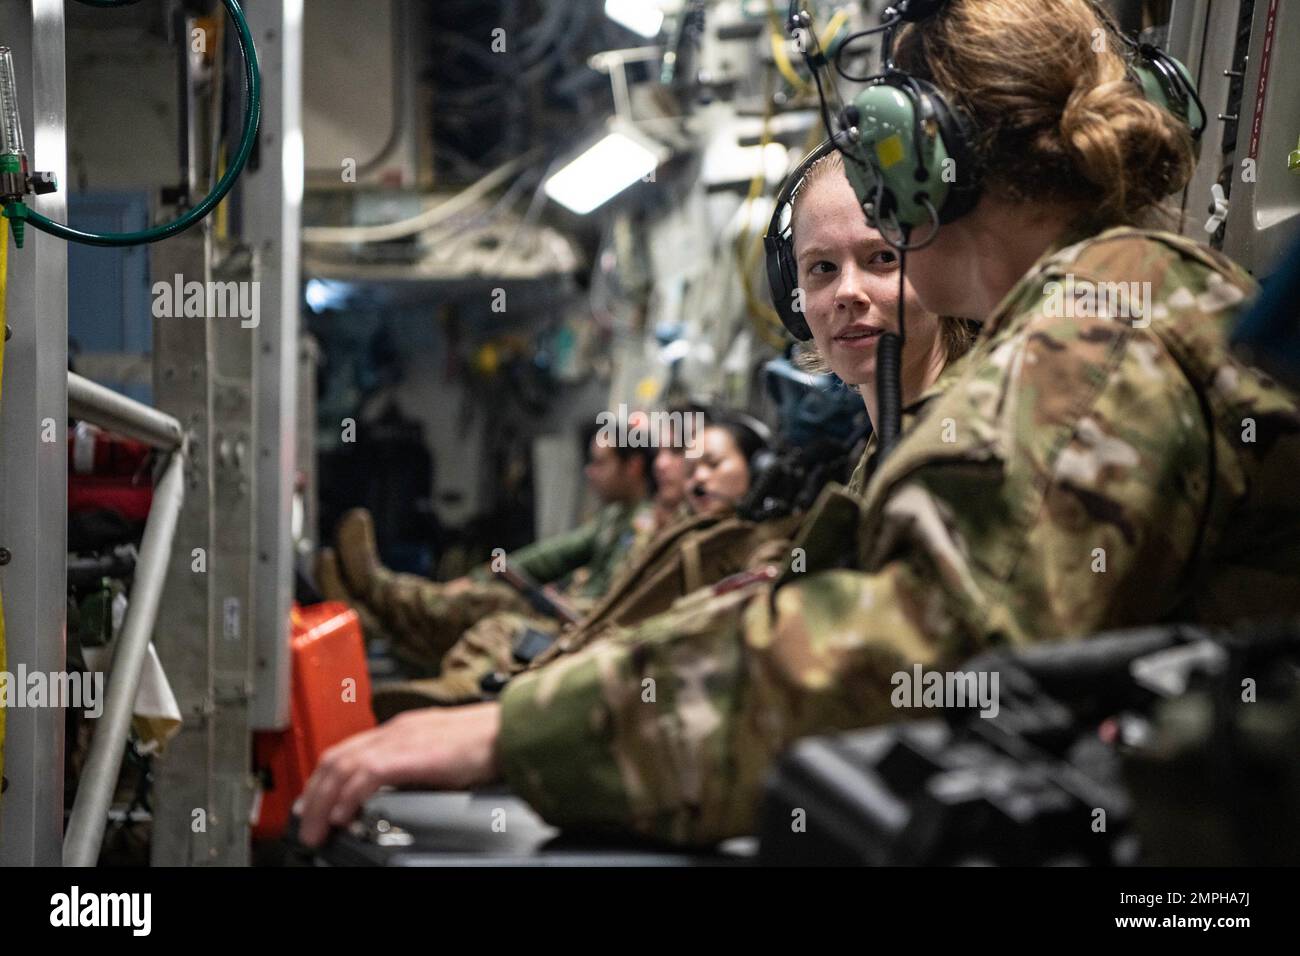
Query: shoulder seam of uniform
[(1180, 245)]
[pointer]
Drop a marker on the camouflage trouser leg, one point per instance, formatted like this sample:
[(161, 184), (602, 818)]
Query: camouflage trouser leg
[(491, 646), (425, 621)]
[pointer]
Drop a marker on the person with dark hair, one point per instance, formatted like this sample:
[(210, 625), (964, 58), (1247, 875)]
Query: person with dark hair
[(723, 470), (632, 478)]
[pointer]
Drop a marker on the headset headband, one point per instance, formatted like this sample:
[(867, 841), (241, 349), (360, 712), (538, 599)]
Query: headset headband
[(782, 271), (792, 181)]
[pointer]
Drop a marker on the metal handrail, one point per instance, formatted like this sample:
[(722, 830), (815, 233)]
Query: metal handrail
[(94, 403), (85, 832), (104, 407)]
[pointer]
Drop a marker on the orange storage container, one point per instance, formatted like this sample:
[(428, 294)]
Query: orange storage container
[(329, 701)]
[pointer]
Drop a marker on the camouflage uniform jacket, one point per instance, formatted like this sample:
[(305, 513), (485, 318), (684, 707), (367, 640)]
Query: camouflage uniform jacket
[(1082, 473), (591, 552)]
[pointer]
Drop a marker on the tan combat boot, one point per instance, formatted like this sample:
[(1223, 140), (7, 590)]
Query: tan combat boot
[(363, 571), (329, 578), (333, 587)]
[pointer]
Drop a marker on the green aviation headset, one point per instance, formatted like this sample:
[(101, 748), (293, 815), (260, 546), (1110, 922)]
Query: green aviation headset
[(909, 157), (913, 161)]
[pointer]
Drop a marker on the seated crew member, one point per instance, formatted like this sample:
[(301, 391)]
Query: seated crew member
[(721, 475), (846, 271), (424, 618)]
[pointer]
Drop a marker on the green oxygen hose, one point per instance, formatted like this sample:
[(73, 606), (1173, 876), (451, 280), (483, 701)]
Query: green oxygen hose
[(19, 211)]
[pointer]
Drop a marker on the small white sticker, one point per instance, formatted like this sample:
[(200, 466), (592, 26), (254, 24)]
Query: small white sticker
[(230, 610)]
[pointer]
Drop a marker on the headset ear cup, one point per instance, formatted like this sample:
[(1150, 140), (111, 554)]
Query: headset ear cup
[(778, 252), (911, 184), (955, 132), (1166, 82), (782, 280), (795, 321)]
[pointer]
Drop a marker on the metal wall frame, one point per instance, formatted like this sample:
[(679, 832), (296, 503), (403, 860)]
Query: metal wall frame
[(272, 220), (1204, 36), (184, 775), (1264, 214), (224, 633), (1188, 24), (33, 472)]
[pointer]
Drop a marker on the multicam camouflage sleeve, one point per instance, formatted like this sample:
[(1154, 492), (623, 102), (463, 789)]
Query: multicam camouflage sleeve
[(1072, 479)]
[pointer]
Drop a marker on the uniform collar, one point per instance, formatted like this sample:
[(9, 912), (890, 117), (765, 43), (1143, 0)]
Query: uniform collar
[(946, 377), (1031, 280)]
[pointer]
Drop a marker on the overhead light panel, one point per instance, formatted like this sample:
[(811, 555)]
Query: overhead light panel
[(639, 16), (603, 171)]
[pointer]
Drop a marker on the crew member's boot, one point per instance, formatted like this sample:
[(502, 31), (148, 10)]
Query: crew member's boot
[(330, 582), (423, 612), (363, 571)]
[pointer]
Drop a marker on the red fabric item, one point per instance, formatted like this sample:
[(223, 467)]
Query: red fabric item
[(107, 472), (87, 493)]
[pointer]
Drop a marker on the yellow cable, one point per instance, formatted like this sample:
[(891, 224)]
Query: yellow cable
[(832, 27), (781, 55), (216, 25)]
